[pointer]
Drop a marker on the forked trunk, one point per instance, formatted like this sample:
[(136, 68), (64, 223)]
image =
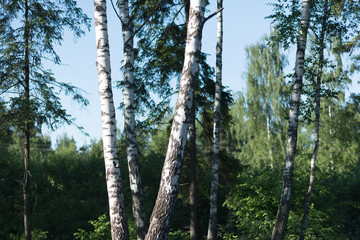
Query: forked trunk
[(129, 125), (118, 221), (216, 132), (169, 184), (317, 124), (284, 207)]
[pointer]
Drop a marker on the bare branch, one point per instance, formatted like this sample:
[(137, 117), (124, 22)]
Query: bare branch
[(213, 14)]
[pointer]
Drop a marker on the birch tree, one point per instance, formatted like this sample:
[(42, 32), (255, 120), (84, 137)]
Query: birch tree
[(317, 124), (129, 124), (216, 132), (284, 207), (118, 221), (169, 184)]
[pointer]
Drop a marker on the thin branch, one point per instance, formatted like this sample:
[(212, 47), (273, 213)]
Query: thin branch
[(177, 13), (208, 134), (117, 14), (213, 14), (4, 199)]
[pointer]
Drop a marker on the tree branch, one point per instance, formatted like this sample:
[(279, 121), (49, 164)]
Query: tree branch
[(213, 14), (208, 134), (117, 14)]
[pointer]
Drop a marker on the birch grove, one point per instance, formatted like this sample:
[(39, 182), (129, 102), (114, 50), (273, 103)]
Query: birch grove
[(129, 123), (169, 185), (118, 221), (284, 207), (214, 162), (216, 132)]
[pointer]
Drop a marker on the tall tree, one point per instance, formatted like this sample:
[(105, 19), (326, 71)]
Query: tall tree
[(284, 207), (266, 101), (29, 31), (169, 184), (118, 221), (216, 131), (129, 124), (317, 121)]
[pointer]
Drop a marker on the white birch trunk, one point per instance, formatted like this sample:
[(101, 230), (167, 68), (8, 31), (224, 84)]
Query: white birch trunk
[(284, 207), (118, 221), (169, 184), (317, 124), (216, 132), (129, 125)]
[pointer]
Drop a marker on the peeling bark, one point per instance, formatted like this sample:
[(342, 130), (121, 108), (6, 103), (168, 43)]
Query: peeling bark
[(284, 207), (118, 221), (129, 124), (169, 184), (317, 124), (216, 132)]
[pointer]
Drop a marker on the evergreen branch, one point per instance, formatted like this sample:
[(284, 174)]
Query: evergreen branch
[(148, 18), (178, 12)]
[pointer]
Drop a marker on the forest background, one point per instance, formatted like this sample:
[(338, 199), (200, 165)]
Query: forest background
[(250, 185)]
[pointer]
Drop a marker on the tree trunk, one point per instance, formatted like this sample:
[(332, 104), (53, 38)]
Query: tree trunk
[(317, 123), (169, 184), (330, 133), (26, 180), (216, 133), (284, 207), (118, 221), (268, 130), (129, 125), (193, 166), (193, 159)]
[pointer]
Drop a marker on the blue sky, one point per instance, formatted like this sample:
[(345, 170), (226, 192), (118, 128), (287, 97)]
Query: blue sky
[(244, 24)]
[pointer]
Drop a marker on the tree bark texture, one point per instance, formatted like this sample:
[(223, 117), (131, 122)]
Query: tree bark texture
[(317, 124), (216, 132), (169, 184), (284, 206), (129, 125), (193, 166), (26, 180), (118, 221)]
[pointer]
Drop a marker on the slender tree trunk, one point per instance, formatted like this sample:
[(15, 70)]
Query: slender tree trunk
[(317, 123), (118, 221), (284, 207), (330, 133), (193, 166), (268, 130), (26, 180), (169, 184), (193, 159), (216, 133), (129, 116), (269, 139)]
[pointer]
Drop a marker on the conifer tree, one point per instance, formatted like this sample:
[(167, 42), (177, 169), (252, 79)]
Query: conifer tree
[(29, 31)]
